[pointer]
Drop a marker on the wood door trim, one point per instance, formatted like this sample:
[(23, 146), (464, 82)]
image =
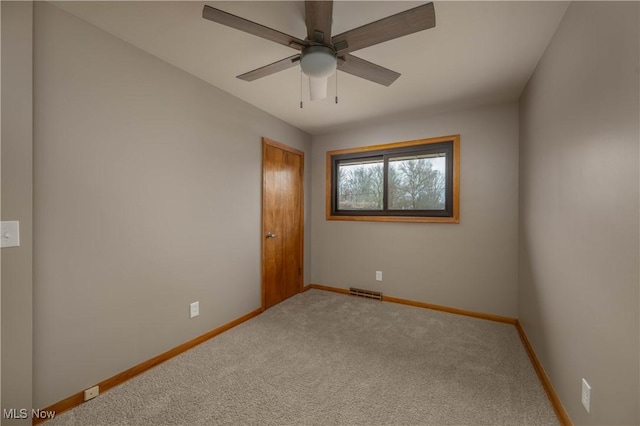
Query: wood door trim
[(269, 142)]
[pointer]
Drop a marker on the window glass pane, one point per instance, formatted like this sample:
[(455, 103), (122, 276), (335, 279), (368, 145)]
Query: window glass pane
[(360, 184), (417, 182)]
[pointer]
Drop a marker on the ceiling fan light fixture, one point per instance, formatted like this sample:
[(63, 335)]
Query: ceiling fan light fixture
[(318, 61), (318, 88)]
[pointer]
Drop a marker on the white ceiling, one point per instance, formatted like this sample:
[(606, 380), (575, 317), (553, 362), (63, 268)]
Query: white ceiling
[(478, 53)]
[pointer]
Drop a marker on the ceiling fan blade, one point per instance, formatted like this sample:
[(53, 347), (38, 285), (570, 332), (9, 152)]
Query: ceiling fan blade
[(394, 26), (367, 70), (270, 69), (233, 21), (318, 17)]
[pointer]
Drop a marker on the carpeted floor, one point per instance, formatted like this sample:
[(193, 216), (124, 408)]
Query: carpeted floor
[(323, 358)]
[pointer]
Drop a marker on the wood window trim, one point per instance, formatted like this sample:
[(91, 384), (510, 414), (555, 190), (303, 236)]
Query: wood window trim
[(455, 218)]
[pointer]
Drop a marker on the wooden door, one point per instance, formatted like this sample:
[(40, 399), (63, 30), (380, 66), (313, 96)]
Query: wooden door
[(282, 222)]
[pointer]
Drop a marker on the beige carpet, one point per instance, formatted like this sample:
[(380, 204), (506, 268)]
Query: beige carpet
[(323, 358)]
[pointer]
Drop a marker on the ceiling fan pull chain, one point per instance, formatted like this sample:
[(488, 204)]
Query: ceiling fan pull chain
[(300, 88), (336, 86)]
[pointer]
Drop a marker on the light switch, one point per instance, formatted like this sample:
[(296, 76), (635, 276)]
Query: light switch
[(10, 234)]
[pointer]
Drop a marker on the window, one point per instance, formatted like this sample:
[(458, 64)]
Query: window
[(416, 181)]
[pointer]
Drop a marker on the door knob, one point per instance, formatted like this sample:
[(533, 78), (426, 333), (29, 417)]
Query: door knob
[(271, 235)]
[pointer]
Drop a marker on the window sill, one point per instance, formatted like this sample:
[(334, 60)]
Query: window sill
[(420, 219)]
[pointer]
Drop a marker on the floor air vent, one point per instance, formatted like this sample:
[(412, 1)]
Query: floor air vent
[(376, 295)]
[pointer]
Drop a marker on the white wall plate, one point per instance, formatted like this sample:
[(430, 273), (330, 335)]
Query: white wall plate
[(10, 234)]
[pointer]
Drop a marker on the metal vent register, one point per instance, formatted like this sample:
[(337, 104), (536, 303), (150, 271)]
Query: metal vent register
[(376, 295)]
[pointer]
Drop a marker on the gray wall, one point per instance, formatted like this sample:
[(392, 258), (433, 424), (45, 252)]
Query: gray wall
[(471, 265), (16, 188), (578, 280), (147, 197)]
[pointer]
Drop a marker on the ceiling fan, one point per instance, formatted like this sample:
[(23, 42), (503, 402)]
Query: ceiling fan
[(321, 53)]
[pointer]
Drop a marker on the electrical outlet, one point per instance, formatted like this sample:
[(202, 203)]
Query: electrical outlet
[(586, 395), (378, 275), (91, 393), (194, 309)]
